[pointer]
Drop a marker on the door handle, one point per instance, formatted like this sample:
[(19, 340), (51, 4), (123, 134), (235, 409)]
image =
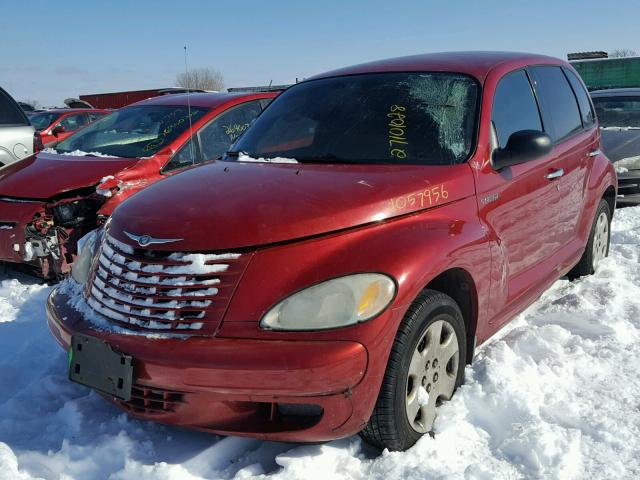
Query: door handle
[(555, 174), (594, 153)]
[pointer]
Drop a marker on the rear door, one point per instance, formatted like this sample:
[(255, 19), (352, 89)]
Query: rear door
[(567, 113), (16, 133)]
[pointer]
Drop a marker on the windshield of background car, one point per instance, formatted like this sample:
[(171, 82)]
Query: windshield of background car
[(43, 120), (132, 132), (618, 111), (391, 118)]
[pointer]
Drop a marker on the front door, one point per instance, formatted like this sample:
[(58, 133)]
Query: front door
[(520, 205)]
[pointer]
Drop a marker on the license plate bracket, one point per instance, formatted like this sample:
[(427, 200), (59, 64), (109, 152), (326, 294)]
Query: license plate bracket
[(95, 364)]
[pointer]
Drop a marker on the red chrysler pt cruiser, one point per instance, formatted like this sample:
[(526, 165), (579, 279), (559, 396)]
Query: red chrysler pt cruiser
[(335, 271)]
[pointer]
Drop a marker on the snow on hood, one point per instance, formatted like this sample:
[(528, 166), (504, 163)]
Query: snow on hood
[(78, 153), (626, 164), (553, 395), (619, 128), (243, 157)]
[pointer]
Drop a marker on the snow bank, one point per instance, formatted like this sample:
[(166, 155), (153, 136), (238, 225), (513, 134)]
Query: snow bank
[(555, 395)]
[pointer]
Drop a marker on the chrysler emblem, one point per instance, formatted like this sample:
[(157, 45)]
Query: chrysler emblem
[(146, 240)]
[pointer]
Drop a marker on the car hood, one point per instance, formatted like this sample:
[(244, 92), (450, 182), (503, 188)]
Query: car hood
[(45, 175), (227, 205)]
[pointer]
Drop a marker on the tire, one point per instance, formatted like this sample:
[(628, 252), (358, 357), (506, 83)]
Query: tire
[(390, 425), (598, 244)]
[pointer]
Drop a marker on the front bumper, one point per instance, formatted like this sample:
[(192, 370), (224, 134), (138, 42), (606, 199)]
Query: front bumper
[(245, 387), (14, 215)]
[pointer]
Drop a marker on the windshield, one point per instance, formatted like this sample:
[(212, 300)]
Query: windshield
[(132, 132), (623, 112), (43, 120), (392, 118)]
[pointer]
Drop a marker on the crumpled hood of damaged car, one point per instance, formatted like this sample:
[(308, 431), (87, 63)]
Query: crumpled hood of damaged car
[(226, 205), (45, 175)]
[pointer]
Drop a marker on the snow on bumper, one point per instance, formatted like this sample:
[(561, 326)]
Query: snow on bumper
[(235, 386)]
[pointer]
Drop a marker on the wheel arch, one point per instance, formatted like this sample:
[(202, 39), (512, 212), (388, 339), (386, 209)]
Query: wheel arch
[(610, 196), (459, 284)]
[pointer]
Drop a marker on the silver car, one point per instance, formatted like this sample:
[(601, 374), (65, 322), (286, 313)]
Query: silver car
[(16, 133)]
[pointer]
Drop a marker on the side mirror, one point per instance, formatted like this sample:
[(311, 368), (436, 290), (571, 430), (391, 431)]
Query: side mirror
[(58, 129), (522, 146)]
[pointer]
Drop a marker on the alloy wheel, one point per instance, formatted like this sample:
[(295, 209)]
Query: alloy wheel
[(600, 239), (432, 374)]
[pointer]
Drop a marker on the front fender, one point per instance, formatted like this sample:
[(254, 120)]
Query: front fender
[(413, 249)]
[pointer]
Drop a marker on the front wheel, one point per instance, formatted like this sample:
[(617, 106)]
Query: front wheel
[(425, 367), (597, 245)]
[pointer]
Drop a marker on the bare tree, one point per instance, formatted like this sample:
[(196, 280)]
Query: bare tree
[(201, 79), (623, 52)]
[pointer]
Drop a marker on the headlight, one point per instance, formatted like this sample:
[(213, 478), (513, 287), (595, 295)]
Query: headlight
[(86, 251), (335, 303), (74, 213)]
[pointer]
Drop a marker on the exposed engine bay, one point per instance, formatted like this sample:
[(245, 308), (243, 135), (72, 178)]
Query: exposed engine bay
[(50, 238)]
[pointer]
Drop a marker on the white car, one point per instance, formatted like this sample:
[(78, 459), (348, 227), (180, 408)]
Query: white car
[(17, 135)]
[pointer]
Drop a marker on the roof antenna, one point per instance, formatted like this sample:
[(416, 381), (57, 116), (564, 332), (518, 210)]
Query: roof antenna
[(186, 78)]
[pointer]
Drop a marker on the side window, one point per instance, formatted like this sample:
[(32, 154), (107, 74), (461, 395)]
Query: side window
[(218, 135), (586, 111), (186, 156), (559, 105), (10, 112), (74, 122), (514, 107), (95, 116)]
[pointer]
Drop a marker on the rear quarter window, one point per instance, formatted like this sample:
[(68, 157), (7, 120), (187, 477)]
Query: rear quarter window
[(559, 106), (586, 111)]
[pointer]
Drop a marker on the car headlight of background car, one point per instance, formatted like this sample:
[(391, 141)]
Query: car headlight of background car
[(87, 247), (334, 303)]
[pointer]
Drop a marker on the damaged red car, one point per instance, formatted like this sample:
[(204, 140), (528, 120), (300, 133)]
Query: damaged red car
[(334, 273), (57, 124), (50, 200)]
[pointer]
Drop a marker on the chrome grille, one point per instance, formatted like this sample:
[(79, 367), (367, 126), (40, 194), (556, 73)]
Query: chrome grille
[(161, 291)]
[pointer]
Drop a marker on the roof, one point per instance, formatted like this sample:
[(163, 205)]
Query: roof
[(148, 90), (477, 64), (617, 92), (71, 110), (206, 100)]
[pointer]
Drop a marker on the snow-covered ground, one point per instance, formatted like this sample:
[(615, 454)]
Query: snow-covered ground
[(555, 395)]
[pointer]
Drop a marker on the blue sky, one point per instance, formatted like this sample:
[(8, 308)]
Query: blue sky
[(54, 50)]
